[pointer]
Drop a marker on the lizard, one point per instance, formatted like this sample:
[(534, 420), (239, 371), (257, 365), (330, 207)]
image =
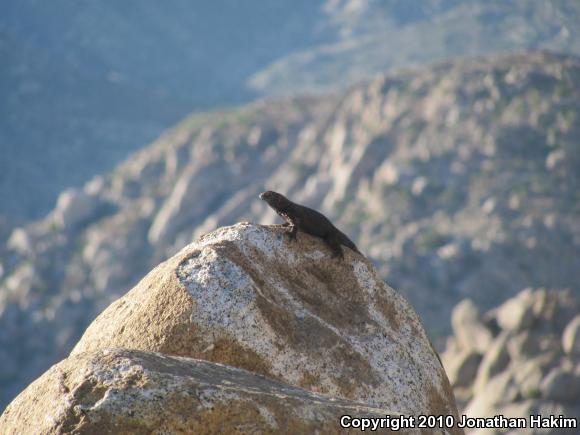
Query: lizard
[(299, 217)]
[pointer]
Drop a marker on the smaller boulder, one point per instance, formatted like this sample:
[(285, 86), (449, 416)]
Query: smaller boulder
[(469, 329), (494, 361), (517, 313), (571, 337), (462, 368), (74, 208)]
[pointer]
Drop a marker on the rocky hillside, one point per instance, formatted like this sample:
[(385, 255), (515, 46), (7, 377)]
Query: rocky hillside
[(317, 337), (459, 180), (85, 83), (519, 359)]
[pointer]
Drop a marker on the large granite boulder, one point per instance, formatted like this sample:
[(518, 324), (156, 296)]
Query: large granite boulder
[(248, 296), (120, 391), (326, 335)]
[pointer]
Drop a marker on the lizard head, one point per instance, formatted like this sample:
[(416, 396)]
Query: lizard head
[(274, 199)]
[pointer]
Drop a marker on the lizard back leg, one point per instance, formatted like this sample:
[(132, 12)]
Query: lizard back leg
[(334, 244)]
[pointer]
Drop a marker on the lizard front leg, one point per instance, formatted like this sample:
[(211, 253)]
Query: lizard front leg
[(293, 224), (293, 231)]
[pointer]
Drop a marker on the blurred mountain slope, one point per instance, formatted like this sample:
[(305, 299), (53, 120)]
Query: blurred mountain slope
[(458, 180), (83, 84)]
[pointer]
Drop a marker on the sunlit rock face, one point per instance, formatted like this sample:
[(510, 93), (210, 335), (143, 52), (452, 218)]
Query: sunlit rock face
[(248, 296)]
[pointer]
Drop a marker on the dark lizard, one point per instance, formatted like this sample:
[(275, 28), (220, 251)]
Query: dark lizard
[(299, 217)]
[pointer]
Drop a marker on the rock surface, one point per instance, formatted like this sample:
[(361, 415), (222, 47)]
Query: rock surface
[(527, 369), (135, 392), (249, 297)]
